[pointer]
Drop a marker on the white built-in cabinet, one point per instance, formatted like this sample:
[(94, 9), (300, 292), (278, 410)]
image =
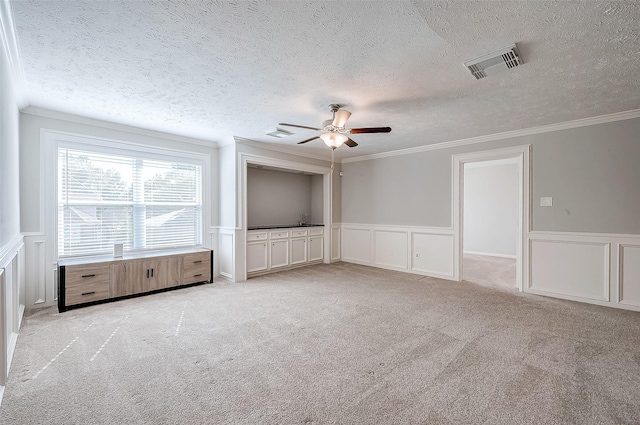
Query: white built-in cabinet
[(274, 249), (257, 249), (279, 255), (315, 248)]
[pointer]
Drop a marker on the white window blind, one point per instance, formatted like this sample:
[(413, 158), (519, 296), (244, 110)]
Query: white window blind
[(143, 202)]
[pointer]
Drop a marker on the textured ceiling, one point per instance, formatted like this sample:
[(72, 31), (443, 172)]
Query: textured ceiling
[(216, 69)]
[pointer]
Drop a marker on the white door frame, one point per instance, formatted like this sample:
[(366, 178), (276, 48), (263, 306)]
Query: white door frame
[(522, 154)]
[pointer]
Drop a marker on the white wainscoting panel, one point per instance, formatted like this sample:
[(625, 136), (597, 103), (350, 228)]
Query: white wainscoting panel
[(40, 276), (356, 244), (335, 242), (629, 276), (420, 250), (433, 254), (391, 249), (578, 269), (212, 243), (226, 250), (12, 284)]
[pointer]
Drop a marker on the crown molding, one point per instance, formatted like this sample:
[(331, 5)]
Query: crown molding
[(601, 119), (12, 53), (277, 148), (48, 113)]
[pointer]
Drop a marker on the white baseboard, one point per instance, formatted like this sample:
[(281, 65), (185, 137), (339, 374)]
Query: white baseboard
[(490, 254)]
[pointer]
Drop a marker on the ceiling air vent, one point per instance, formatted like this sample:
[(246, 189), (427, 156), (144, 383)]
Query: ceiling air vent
[(508, 56), (279, 133)]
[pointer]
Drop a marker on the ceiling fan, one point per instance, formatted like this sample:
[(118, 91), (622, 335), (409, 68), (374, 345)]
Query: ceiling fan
[(334, 132)]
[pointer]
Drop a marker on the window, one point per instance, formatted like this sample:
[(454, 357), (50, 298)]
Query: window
[(144, 202)]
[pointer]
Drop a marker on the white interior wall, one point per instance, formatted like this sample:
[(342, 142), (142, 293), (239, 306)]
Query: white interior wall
[(491, 208), (9, 158)]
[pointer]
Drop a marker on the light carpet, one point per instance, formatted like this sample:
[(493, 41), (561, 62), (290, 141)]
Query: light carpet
[(328, 344)]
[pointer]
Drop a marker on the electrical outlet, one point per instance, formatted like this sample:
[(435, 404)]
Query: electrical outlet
[(546, 201)]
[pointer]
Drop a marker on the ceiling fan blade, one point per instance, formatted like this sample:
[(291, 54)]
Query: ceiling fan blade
[(308, 140), (370, 130), (340, 118), (300, 126), (351, 143)]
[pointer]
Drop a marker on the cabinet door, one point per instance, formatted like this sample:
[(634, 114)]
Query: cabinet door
[(163, 272), (279, 253), (315, 248), (298, 251), (127, 278), (256, 256)]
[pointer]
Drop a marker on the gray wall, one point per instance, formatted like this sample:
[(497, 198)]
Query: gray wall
[(491, 208), (277, 197), (9, 158), (316, 200), (31, 209), (591, 172)]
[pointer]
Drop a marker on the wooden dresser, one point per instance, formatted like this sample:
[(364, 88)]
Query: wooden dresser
[(83, 282)]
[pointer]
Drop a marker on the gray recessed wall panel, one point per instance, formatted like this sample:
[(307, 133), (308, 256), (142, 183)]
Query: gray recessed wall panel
[(277, 197)]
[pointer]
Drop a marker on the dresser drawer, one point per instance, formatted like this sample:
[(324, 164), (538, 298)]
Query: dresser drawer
[(83, 274), (279, 234), (196, 260), (86, 293), (197, 274), (257, 236), (316, 231)]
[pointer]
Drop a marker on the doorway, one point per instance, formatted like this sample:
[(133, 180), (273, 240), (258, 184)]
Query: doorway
[(490, 223), (484, 239)]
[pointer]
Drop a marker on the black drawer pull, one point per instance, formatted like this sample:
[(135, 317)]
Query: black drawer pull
[(88, 275), (89, 293), (198, 261), (197, 275)]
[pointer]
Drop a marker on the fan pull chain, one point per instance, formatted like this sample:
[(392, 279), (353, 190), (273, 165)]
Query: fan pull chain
[(332, 152)]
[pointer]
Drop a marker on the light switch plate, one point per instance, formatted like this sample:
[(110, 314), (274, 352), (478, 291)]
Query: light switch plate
[(546, 201)]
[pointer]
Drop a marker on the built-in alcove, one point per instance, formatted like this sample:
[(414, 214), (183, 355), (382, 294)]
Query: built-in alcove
[(279, 197)]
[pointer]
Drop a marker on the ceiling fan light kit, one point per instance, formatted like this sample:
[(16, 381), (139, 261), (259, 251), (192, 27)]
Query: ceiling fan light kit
[(334, 132), (333, 140)]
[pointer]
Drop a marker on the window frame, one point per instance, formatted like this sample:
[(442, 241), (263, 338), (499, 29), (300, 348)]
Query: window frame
[(54, 140)]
